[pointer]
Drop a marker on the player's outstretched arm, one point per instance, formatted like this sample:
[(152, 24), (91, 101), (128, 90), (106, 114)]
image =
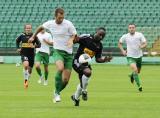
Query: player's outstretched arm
[(39, 29), (48, 42), (103, 60)]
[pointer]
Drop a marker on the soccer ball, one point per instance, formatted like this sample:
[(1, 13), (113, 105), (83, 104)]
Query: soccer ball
[(84, 58)]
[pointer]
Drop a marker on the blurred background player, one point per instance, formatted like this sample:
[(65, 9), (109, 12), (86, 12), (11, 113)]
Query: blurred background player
[(42, 55), (27, 51), (63, 32), (135, 42), (91, 45)]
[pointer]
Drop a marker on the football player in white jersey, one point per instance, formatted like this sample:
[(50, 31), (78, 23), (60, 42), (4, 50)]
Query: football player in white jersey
[(135, 42), (63, 32), (42, 55)]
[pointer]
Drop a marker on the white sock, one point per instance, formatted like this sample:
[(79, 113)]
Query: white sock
[(85, 81), (29, 75), (25, 74), (78, 92)]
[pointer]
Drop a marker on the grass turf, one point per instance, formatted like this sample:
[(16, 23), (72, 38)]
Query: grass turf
[(111, 95)]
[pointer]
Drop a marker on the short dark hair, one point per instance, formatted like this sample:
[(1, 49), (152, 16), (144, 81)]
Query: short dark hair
[(59, 10), (27, 24), (132, 24), (101, 28)]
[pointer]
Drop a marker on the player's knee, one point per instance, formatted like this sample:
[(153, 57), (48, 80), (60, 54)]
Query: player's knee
[(136, 71), (87, 72), (25, 67), (139, 70), (37, 66), (29, 71), (60, 68), (65, 80), (46, 69)]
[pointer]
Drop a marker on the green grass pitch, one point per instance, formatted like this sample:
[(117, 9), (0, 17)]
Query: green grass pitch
[(111, 95)]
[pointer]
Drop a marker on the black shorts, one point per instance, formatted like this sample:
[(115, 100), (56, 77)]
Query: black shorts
[(29, 58), (80, 67)]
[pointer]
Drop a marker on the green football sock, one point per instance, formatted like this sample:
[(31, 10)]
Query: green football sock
[(137, 79), (58, 82), (39, 71), (63, 85), (46, 75)]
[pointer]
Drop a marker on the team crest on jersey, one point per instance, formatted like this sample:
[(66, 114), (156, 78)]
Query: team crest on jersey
[(89, 52)]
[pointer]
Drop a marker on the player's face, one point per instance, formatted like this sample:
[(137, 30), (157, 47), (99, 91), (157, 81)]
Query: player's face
[(131, 29), (28, 29), (59, 18), (100, 34)]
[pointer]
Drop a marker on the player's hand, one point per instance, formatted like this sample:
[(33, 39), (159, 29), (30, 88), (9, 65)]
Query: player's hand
[(124, 52), (45, 41), (31, 40), (32, 46), (141, 46), (19, 50), (70, 43), (108, 58)]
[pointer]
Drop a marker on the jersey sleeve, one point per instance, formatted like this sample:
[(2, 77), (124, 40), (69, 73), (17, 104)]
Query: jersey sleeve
[(72, 29), (83, 38), (50, 39), (122, 39), (99, 52), (143, 39), (47, 25), (18, 40)]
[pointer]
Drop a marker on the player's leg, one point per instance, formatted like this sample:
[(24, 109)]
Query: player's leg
[(85, 80), (45, 62), (66, 73), (76, 95), (134, 68), (131, 60), (31, 63), (25, 70), (59, 61), (38, 58), (58, 80), (46, 74), (139, 65)]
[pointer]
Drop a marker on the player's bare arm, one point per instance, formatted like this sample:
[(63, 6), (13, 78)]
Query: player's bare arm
[(48, 42), (143, 45), (121, 48), (104, 59), (71, 40), (39, 29)]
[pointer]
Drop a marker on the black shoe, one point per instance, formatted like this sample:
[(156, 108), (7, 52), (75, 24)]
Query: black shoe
[(76, 102), (131, 78), (84, 95), (140, 89)]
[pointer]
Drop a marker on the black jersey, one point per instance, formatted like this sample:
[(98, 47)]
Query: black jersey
[(27, 48), (88, 46)]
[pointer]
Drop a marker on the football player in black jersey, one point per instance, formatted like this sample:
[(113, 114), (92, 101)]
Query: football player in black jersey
[(27, 51), (91, 45)]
